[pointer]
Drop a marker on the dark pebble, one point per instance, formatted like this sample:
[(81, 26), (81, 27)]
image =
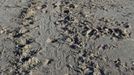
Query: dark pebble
[(29, 41), (73, 46), (66, 11), (71, 6)]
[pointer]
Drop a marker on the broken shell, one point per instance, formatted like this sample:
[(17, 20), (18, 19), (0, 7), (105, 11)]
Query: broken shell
[(21, 41), (127, 33), (88, 32), (66, 74), (49, 40), (38, 7), (47, 61), (96, 72), (26, 49), (33, 61), (132, 63), (87, 71), (23, 30), (31, 12), (2, 30), (92, 55), (34, 72), (69, 40), (69, 66)]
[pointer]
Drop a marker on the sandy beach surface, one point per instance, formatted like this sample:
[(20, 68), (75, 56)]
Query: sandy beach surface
[(66, 37)]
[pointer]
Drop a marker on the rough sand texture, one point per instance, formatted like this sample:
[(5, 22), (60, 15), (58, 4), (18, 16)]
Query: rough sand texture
[(66, 37)]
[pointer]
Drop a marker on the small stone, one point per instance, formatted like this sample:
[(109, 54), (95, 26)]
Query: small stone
[(43, 6), (117, 62), (126, 25), (66, 11), (54, 5), (73, 46)]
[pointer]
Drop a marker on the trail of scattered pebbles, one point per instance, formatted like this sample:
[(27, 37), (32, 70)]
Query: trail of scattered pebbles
[(64, 37)]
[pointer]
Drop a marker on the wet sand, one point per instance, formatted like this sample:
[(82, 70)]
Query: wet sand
[(66, 37)]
